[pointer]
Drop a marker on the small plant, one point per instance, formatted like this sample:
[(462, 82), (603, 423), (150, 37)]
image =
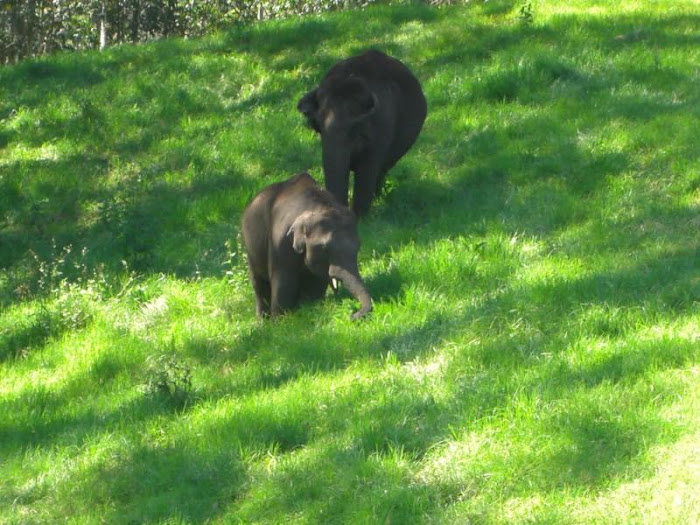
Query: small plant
[(168, 378), (525, 13), (230, 262), (49, 272), (64, 270)]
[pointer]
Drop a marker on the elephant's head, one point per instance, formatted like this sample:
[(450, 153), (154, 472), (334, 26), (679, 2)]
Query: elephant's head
[(329, 242), (339, 104), (341, 109)]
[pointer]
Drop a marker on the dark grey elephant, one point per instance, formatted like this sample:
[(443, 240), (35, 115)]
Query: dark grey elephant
[(298, 240), (369, 110)]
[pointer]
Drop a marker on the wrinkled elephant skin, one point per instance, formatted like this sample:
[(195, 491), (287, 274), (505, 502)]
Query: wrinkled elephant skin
[(369, 110), (298, 239)]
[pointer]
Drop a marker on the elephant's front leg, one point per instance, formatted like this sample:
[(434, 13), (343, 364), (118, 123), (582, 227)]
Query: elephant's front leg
[(313, 288), (261, 287), (285, 290), (366, 177)]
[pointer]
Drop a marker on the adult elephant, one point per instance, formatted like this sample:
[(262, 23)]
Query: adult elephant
[(369, 110), (299, 239)]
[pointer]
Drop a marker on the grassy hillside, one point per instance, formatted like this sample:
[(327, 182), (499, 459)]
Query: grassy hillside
[(534, 352)]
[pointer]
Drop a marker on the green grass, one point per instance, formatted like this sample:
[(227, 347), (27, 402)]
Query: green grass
[(534, 352)]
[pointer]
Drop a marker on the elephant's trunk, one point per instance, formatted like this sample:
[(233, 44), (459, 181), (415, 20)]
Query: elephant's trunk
[(336, 167), (353, 282)]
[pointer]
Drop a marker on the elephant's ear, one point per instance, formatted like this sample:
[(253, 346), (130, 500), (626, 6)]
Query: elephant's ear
[(298, 231), (360, 100), (308, 104)]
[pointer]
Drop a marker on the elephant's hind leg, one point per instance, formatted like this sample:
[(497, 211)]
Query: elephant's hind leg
[(366, 179), (263, 295)]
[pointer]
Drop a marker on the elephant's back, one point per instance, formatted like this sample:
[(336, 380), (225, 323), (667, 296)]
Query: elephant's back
[(255, 227), (401, 87), (411, 109)]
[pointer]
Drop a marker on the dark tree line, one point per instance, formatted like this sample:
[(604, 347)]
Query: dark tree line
[(35, 27)]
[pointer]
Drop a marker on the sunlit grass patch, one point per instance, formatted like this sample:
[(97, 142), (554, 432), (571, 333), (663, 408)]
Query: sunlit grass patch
[(532, 353)]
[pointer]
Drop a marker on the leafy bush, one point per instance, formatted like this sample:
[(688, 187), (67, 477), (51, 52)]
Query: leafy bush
[(36, 27), (169, 379)]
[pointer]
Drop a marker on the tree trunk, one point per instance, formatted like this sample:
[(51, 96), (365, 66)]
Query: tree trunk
[(103, 34), (135, 15), (103, 27), (26, 30)]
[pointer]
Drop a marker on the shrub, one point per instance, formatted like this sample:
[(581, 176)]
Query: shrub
[(35, 27), (169, 379)]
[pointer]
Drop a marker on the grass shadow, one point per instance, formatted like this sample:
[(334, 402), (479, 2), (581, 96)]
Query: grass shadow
[(196, 483), (537, 161), (487, 166)]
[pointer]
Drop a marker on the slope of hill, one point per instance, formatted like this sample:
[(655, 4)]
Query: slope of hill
[(534, 352)]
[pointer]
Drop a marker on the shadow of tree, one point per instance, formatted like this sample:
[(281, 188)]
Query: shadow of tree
[(164, 171), (495, 159), (398, 415)]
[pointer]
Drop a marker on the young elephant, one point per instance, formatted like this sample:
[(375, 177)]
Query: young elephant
[(369, 110), (298, 239)]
